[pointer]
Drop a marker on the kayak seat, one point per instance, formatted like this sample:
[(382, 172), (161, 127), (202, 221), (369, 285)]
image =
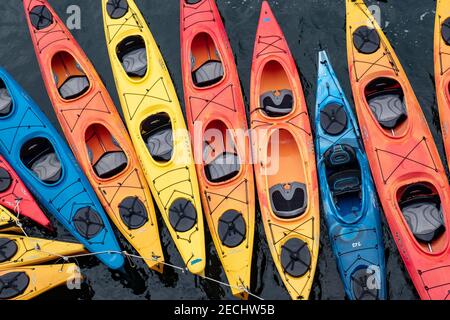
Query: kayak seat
[(346, 181), (160, 144), (386, 100), (74, 87), (222, 168), (208, 73), (340, 155), (288, 200), (277, 103), (422, 211), (5, 102), (333, 119), (110, 164), (132, 53)]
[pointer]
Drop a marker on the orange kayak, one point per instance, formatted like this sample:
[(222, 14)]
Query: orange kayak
[(442, 68), (95, 131), (284, 159), (218, 125), (408, 173)]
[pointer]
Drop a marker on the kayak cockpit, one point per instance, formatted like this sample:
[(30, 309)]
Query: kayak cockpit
[(344, 181), (285, 176), (386, 100), (220, 158), (206, 64), (156, 131), (70, 79), (105, 154), (6, 102), (421, 207), (39, 156), (132, 54), (276, 99)]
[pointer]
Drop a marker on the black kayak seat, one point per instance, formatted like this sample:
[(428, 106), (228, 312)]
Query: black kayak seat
[(387, 103), (110, 164), (344, 182), (47, 168), (289, 200), (340, 155), (160, 144), (208, 73), (74, 87), (5, 102), (333, 119), (277, 103), (223, 167), (423, 213)]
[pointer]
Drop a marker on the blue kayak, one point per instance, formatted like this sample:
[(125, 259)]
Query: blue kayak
[(348, 194), (45, 163)]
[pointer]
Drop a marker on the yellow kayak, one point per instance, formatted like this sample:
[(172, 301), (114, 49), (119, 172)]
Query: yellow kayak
[(157, 127), (26, 283), (18, 251), (8, 222)]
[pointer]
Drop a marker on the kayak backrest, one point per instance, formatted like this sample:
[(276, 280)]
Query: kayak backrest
[(223, 167), (39, 156), (5, 100), (156, 131), (333, 119), (69, 77), (289, 200), (386, 100), (277, 103), (422, 210), (132, 53), (206, 64)]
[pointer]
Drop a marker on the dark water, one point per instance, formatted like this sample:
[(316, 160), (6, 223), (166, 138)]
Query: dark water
[(306, 23)]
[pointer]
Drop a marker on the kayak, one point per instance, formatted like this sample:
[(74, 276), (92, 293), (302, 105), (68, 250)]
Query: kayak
[(14, 195), (284, 160), (442, 68), (158, 130), (348, 193), (30, 143), (25, 283), (218, 125), (405, 164), (95, 131), (19, 251), (8, 222)]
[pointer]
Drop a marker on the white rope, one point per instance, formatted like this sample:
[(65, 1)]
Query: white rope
[(17, 211), (153, 258)]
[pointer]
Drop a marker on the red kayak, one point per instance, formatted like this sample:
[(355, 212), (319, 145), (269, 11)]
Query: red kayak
[(16, 197)]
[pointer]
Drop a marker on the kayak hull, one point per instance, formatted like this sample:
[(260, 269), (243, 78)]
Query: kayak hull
[(95, 133), (405, 156), (289, 135), (146, 98), (219, 109), (357, 242)]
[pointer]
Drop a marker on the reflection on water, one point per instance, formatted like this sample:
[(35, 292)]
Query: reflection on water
[(307, 25)]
